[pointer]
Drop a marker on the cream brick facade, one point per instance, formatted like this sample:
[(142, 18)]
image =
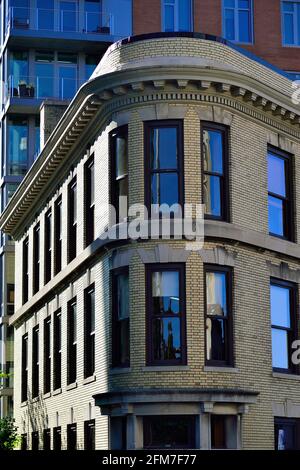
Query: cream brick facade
[(170, 78)]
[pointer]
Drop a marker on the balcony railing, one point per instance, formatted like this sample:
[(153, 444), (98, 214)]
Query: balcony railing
[(41, 87), (76, 21)]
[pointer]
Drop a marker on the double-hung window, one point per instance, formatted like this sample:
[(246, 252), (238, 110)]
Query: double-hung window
[(72, 220), (280, 194), (89, 202), (219, 347), (48, 245), (47, 355), (89, 331), (119, 172), (35, 362), (72, 342), (120, 318), (25, 274), (166, 335), (36, 258), (177, 15), (57, 350), (215, 171), (238, 20), (24, 383), (58, 235), (164, 167), (291, 23), (283, 299)]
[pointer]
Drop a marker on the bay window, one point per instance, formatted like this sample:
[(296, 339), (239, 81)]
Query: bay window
[(283, 320), (165, 291), (219, 347), (164, 166), (215, 171), (120, 318)]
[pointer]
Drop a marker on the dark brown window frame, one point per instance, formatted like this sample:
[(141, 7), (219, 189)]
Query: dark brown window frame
[(148, 126), (292, 331), (228, 271), (72, 220), (150, 268), (58, 235), (71, 344), (57, 438), (57, 345), (36, 261), (89, 334), (72, 434), (288, 201), (224, 195), (89, 201), (47, 439), (35, 362), (24, 374), (115, 321), (48, 245), (47, 355), (291, 422), (191, 430), (121, 131), (25, 269), (91, 424)]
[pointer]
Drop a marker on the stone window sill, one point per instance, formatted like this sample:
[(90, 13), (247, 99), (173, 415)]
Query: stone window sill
[(225, 370), (47, 395), (71, 386), (58, 391), (120, 370), (89, 380), (280, 375), (165, 368)]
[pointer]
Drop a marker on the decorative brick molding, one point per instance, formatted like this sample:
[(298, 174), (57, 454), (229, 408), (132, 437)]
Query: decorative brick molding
[(215, 114), (218, 255), (283, 271), (163, 254), (120, 258)]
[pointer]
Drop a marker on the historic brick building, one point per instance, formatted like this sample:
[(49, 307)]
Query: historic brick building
[(112, 334)]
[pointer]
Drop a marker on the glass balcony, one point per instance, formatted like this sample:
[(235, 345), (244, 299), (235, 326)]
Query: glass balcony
[(42, 87), (60, 20)]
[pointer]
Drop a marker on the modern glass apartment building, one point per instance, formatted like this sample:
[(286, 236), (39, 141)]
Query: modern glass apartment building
[(49, 48)]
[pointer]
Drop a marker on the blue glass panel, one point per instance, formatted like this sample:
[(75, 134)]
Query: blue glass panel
[(45, 80), (288, 33), (244, 4), (184, 15), (92, 16), (163, 148), (165, 188), (45, 15), (166, 339), (280, 349), (280, 306), (68, 16), (298, 23), (169, 18), (288, 6), (276, 224), (229, 25), (20, 13), (18, 144), (229, 3), (212, 195), (216, 293), (244, 26), (276, 175), (67, 82), (213, 151)]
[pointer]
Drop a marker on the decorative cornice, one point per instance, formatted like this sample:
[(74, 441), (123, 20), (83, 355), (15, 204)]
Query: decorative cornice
[(118, 93)]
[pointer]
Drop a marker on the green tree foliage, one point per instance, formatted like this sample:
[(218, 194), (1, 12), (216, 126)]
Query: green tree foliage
[(9, 438)]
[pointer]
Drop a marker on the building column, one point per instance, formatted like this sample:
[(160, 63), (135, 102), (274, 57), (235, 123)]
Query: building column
[(134, 432)]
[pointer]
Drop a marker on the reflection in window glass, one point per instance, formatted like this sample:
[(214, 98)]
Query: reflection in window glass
[(237, 20), (177, 15), (17, 145)]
